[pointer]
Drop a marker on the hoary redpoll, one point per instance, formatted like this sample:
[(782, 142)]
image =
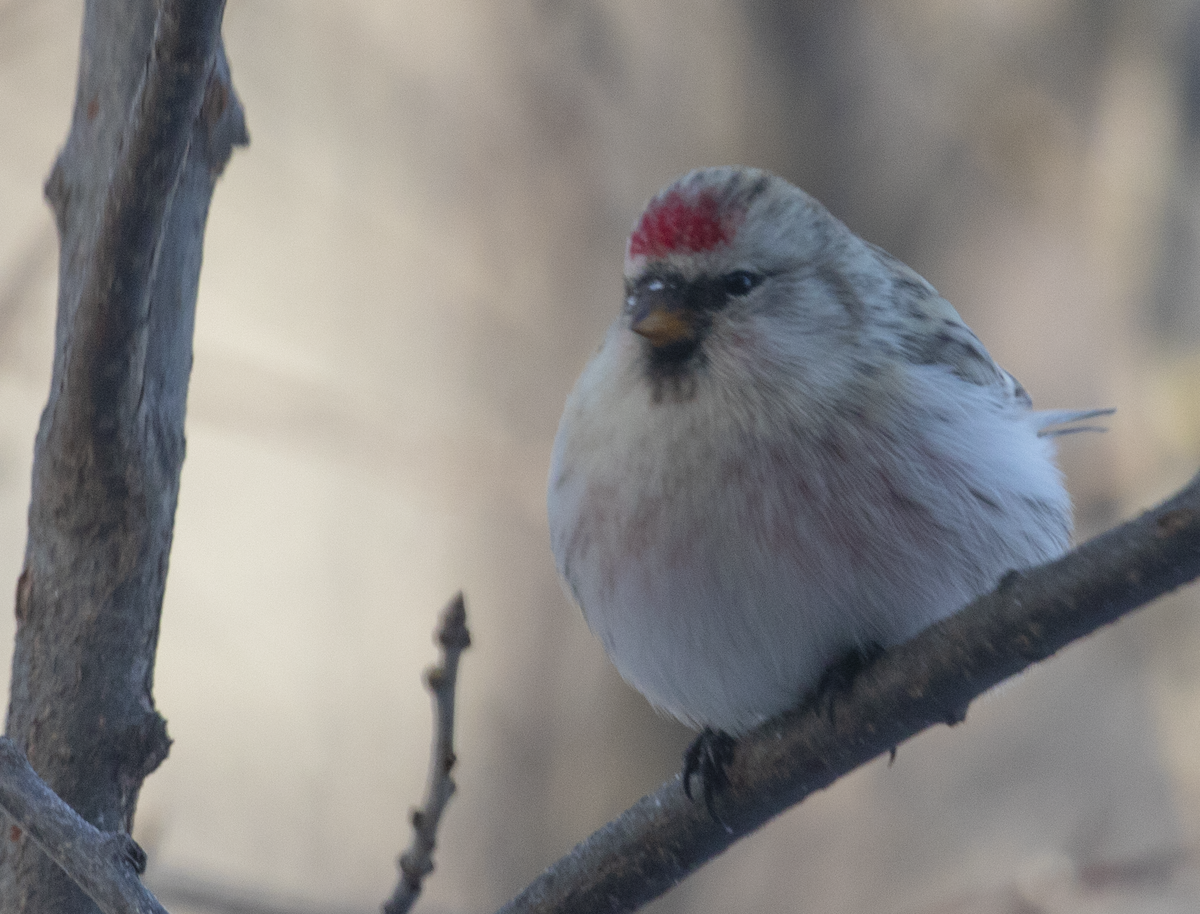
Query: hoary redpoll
[(788, 448)]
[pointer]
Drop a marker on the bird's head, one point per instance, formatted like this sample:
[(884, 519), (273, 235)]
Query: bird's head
[(735, 266)]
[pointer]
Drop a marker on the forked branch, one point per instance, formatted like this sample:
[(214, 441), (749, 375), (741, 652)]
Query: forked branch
[(106, 865)]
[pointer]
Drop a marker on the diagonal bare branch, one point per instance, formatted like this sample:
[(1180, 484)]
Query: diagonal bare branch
[(105, 865), (930, 680)]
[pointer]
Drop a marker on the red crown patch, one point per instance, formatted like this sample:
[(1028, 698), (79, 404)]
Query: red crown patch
[(677, 223)]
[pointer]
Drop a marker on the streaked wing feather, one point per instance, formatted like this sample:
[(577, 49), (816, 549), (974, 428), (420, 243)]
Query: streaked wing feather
[(936, 335)]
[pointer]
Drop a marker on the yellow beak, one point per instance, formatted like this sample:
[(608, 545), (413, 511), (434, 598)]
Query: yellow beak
[(663, 326)]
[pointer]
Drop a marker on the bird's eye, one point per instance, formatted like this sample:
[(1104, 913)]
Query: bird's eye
[(740, 282)]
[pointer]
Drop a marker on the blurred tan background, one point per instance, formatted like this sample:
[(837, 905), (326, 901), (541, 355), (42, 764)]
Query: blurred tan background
[(403, 275)]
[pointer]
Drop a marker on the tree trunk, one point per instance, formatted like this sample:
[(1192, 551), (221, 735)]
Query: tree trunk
[(154, 122)]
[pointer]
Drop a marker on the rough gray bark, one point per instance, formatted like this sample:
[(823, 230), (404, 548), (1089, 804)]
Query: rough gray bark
[(154, 122), (106, 865)]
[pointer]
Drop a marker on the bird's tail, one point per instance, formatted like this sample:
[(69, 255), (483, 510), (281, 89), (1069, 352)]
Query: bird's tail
[(1067, 421)]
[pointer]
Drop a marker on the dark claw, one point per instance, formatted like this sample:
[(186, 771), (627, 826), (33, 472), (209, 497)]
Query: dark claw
[(707, 758), (956, 714), (840, 675)]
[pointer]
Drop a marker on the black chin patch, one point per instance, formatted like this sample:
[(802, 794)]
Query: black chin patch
[(673, 358), (673, 370)]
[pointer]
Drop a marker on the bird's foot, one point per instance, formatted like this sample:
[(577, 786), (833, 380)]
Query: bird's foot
[(707, 758), (840, 675)]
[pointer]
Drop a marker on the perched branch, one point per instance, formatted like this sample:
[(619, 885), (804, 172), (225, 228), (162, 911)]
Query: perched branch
[(929, 680), (105, 865), (417, 862)]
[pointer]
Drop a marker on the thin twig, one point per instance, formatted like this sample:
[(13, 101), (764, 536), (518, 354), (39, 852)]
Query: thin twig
[(929, 680), (104, 864), (417, 862)]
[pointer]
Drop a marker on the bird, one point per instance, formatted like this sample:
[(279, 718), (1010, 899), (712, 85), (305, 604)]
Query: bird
[(788, 450)]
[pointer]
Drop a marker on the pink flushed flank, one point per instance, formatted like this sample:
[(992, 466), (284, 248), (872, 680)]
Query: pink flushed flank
[(679, 224)]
